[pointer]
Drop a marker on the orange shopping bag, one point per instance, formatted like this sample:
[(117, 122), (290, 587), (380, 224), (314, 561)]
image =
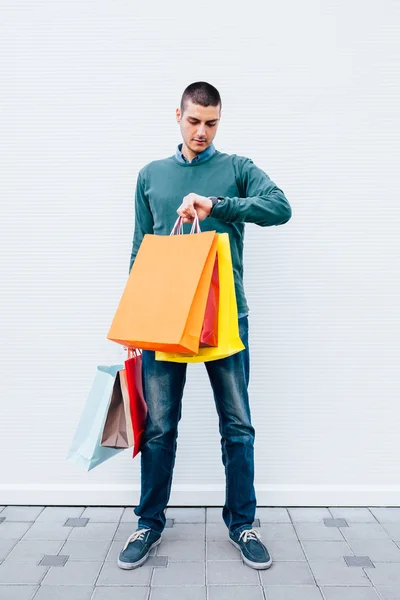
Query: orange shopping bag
[(229, 341), (164, 301)]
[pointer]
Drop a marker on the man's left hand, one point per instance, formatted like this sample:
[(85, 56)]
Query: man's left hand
[(194, 202)]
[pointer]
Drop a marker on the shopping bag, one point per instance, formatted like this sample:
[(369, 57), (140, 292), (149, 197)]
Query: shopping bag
[(127, 406), (229, 341), (209, 332), (85, 450), (138, 406), (117, 431), (164, 301)]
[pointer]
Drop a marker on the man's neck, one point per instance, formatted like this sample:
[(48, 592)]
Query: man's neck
[(188, 153)]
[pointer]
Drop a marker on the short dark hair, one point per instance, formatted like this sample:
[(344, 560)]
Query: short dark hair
[(202, 93)]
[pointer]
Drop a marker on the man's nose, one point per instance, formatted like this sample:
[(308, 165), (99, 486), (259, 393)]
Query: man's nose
[(201, 131)]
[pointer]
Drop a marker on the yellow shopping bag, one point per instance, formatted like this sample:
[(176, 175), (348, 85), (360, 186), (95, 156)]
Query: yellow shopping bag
[(229, 341)]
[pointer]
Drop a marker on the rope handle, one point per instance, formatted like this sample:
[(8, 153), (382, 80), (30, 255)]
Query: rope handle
[(132, 352), (178, 227)]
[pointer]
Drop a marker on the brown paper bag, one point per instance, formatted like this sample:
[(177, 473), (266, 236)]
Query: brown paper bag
[(127, 406), (117, 431)]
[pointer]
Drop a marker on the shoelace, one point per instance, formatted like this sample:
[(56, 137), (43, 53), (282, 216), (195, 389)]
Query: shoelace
[(137, 535), (250, 534)]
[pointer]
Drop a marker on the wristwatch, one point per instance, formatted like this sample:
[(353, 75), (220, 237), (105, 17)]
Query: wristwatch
[(215, 200)]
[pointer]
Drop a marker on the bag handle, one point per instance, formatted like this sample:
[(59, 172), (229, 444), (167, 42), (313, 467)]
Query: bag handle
[(132, 352), (178, 227)]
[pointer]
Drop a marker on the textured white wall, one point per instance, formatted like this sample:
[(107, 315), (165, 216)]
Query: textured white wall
[(310, 92)]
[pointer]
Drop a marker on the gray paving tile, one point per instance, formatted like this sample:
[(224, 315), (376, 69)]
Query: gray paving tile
[(180, 574), (22, 513), (54, 560), (318, 531), (6, 546), (185, 532), (116, 548), (221, 550), (385, 574), (124, 530), (335, 523), (287, 573), (21, 572), (12, 530), (111, 574), (377, 550), (227, 592), (74, 573), (93, 531), (392, 529), (386, 515), (309, 514), (389, 592), (293, 592), (103, 514), (169, 523), (364, 531), (230, 573), (216, 531), (282, 550), (86, 550), (214, 514), (2, 519), (358, 561), (71, 522), (326, 550), (353, 514), (66, 592), (278, 531), (273, 514), (18, 592), (179, 593), (186, 515), (128, 516), (60, 514), (45, 531), (183, 551), (349, 593), (157, 561), (121, 593), (34, 550), (338, 573)]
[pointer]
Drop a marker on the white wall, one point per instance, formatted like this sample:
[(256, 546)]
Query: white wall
[(310, 92)]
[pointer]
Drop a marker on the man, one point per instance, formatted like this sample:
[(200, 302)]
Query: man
[(226, 191)]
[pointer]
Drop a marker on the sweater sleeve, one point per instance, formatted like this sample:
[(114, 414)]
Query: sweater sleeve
[(264, 203), (143, 218)]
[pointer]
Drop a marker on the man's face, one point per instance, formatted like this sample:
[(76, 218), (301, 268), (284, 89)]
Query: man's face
[(198, 125)]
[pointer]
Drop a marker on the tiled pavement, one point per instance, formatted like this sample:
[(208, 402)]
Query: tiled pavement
[(60, 553)]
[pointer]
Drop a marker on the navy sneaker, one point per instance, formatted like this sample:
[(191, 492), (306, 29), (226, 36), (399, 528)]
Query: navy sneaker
[(137, 548), (252, 550)]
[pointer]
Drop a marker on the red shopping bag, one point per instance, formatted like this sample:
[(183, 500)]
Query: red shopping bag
[(209, 332), (133, 368)]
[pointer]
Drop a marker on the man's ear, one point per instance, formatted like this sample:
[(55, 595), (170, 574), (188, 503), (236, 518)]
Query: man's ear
[(178, 115)]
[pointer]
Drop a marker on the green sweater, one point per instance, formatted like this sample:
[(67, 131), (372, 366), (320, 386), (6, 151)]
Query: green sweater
[(249, 197)]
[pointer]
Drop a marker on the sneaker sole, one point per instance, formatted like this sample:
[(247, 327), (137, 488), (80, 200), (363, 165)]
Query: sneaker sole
[(252, 564), (126, 565)]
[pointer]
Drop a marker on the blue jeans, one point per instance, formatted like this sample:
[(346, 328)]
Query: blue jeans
[(163, 385)]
